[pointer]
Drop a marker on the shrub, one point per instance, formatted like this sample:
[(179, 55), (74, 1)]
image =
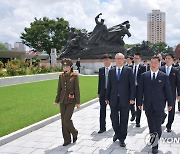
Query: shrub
[(1, 65)]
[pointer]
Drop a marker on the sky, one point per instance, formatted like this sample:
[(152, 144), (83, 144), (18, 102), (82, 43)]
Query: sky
[(16, 15)]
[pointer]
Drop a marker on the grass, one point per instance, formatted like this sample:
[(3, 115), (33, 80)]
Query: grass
[(24, 104)]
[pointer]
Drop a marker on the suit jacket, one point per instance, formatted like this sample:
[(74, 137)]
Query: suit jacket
[(101, 82), (162, 63), (125, 87), (141, 69), (174, 78), (155, 92), (68, 84)]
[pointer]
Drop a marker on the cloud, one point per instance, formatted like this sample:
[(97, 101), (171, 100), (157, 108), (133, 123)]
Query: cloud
[(16, 15)]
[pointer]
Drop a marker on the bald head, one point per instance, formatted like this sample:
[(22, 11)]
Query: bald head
[(119, 58)]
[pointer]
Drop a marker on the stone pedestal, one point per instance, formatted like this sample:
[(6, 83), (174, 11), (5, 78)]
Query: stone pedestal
[(53, 57)]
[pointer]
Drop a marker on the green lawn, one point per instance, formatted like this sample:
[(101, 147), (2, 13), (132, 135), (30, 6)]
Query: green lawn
[(24, 104)]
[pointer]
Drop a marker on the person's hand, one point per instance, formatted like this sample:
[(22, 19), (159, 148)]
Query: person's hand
[(169, 108), (132, 101), (140, 107), (107, 101), (78, 106), (55, 104)]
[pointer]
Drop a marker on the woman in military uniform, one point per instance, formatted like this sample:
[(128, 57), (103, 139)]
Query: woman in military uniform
[(69, 96)]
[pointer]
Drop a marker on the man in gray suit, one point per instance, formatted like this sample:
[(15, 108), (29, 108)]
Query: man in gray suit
[(120, 94)]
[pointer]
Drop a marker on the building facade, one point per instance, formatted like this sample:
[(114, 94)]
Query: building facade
[(156, 26)]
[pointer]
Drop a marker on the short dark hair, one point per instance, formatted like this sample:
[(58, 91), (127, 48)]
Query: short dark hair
[(106, 56), (137, 54), (130, 57), (155, 57), (170, 54)]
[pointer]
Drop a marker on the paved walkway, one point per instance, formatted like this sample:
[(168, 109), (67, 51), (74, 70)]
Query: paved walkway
[(48, 140)]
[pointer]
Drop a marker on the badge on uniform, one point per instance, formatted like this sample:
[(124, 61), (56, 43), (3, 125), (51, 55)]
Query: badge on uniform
[(174, 73), (160, 81)]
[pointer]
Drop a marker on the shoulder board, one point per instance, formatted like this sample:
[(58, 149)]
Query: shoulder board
[(74, 74), (61, 74)]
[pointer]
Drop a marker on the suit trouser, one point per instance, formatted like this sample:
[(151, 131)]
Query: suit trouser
[(119, 118), (179, 106), (154, 119), (102, 118), (136, 113), (171, 115), (67, 124)]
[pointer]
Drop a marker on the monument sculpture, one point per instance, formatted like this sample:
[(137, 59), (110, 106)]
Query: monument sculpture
[(101, 40)]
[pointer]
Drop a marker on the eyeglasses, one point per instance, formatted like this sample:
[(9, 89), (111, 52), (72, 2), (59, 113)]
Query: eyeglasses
[(119, 58)]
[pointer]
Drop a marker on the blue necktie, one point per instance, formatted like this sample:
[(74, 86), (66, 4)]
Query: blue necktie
[(119, 73), (167, 71)]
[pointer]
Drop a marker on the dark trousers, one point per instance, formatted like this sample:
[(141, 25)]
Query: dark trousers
[(102, 118), (67, 124), (136, 113), (171, 115), (78, 68), (179, 106), (154, 119), (119, 118)]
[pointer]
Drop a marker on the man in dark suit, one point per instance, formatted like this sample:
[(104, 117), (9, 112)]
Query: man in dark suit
[(129, 61), (119, 95), (138, 69), (162, 63), (102, 86), (174, 78), (146, 64), (155, 88)]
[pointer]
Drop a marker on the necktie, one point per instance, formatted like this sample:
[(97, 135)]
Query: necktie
[(167, 71), (106, 77), (119, 73), (135, 73), (153, 76)]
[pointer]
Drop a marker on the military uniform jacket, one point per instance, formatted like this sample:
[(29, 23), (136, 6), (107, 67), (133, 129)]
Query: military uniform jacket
[(68, 89)]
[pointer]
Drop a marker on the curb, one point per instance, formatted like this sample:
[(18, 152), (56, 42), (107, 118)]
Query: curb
[(17, 134)]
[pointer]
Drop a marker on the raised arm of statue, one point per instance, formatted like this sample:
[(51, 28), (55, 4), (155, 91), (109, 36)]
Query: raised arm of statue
[(96, 18)]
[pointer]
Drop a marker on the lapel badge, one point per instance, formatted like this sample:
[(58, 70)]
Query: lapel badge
[(160, 81)]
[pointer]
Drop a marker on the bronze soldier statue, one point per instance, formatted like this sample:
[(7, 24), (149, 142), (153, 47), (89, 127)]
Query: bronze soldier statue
[(68, 95)]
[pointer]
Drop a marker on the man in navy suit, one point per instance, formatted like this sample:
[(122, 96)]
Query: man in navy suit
[(102, 86), (174, 78), (119, 95), (155, 88), (138, 69), (162, 63)]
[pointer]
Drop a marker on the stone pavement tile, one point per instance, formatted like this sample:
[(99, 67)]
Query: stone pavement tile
[(167, 150), (47, 139), (43, 145), (72, 148), (16, 143), (102, 144), (38, 151), (29, 144), (9, 149), (137, 152), (86, 149), (26, 150), (103, 151), (87, 143), (119, 151)]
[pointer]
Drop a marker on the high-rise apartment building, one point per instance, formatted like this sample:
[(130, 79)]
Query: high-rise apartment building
[(156, 26)]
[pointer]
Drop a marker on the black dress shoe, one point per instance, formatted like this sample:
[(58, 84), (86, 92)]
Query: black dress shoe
[(66, 144), (168, 130), (154, 150), (132, 118), (138, 125), (165, 115), (75, 137), (114, 138), (101, 131), (122, 144)]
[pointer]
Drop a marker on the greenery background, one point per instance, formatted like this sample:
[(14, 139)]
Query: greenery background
[(25, 104)]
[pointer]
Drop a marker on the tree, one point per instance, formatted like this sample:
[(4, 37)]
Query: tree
[(44, 34), (2, 47)]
